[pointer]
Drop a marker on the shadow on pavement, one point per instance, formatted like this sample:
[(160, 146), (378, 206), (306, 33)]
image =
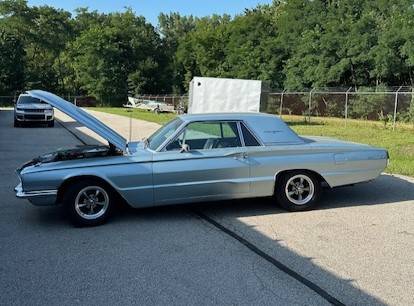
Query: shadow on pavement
[(73, 127), (385, 189)]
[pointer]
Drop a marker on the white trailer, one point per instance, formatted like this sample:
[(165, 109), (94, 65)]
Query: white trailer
[(214, 95)]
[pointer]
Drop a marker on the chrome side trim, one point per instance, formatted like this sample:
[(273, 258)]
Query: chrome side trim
[(229, 181), (22, 194)]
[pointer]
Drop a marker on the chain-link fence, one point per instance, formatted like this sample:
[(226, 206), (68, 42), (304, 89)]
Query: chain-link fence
[(178, 101), (77, 98), (9, 101), (390, 105), (387, 104)]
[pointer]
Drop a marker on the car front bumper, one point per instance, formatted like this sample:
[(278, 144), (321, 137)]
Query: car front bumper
[(38, 198), (37, 117)]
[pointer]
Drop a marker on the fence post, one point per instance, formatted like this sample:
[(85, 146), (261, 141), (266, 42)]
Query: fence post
[(395, 108), (346, 104), (281, 103), (310, 104)]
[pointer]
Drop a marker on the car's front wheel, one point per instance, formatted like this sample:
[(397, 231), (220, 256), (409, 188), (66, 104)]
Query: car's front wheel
[(298, 190), (51, 123), (88, 203)]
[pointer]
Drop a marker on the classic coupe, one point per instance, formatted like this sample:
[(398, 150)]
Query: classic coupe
[(193, 158)]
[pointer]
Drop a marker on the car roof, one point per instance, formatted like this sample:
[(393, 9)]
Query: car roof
[(269, 128), (224, 116)]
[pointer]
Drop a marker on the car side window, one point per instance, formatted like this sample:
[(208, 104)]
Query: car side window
[(207, 135), (249, 139)]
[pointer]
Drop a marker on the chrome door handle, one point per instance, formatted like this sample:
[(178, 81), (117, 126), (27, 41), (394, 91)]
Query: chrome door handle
[(242, 155)]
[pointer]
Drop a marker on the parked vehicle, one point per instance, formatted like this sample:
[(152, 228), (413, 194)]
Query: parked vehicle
[(193, 158), (86, 101), (29, 109), (149, 105)]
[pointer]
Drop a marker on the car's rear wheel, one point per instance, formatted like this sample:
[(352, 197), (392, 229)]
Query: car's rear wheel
[(88, 203), (298, 190)]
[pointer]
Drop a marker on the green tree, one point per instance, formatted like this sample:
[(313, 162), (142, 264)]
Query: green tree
[(12, 63), (173, 27), (294, 44), (117, 56), (202, 51), (44, 32), (252, 50)]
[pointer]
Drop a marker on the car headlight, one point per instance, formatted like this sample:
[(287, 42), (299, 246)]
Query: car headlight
[(49, 112)]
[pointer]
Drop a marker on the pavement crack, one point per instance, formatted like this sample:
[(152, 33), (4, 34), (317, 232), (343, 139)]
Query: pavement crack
[(279, 265), (406, 233)]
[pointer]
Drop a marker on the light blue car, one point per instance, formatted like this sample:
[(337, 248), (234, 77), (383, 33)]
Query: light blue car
[(193, 158)]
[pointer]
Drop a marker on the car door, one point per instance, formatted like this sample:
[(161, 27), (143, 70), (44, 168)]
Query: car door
[(214, 167)]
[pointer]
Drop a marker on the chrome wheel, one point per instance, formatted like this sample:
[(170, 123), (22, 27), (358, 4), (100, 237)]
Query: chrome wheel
[(91, 202), (300, 189)]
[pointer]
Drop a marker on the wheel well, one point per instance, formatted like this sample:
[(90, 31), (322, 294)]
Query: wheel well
[(320, 178), (62, 188)]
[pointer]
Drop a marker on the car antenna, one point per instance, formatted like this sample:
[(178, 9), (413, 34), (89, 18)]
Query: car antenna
[(130, 123)]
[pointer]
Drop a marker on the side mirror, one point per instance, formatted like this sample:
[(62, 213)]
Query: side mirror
[(184, 148)]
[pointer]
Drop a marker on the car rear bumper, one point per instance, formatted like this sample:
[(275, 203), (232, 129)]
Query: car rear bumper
[(39, 197)]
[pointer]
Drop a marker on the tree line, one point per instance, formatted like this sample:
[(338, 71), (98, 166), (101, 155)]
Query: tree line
[(291, 44)]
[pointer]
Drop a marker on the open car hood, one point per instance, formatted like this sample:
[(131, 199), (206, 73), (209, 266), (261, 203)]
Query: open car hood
[(82, 117)]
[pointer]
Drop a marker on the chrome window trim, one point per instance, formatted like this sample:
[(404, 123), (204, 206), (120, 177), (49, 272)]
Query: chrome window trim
[(186, 123), (241, 136), (173, 135), (246, 125)]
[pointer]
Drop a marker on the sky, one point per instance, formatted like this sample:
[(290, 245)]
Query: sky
[(150, 9)]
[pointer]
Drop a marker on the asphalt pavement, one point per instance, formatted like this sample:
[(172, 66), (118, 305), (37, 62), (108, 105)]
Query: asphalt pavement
[(356, 249)]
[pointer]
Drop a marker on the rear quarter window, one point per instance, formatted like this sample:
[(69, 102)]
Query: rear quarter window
[(249, 139)]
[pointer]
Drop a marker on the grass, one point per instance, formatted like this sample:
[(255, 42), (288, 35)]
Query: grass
[(399, 143), (137, 114)]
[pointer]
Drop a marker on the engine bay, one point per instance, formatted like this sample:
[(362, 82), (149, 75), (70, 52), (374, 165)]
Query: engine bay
[(79, 152)]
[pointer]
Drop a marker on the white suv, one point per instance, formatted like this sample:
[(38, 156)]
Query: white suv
[(29, 109)]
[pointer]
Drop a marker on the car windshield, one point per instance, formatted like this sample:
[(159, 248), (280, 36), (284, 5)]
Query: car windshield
[(156, 139), (29, 100)]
